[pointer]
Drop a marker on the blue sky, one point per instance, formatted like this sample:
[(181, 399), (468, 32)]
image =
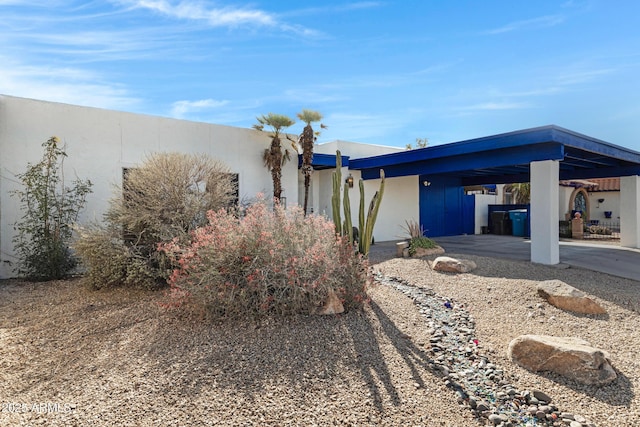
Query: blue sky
[(381, 72)]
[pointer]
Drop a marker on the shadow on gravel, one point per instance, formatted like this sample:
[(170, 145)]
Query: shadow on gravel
[(618, 393), (371, 361), (302, 358)]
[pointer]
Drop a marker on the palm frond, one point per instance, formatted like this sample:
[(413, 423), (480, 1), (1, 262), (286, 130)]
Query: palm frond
[(309, 116)]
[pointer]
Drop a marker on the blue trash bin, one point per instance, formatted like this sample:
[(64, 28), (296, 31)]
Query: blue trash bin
[(519, 222)]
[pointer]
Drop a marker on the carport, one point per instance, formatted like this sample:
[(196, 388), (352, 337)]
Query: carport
[(542, 156)]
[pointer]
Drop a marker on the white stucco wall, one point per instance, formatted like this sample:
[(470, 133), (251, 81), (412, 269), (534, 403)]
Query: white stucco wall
[(611, 203), (399, 204), (355, 150), (596, 209), (400, 200), (482, 209), (99, 143), (564, 197)]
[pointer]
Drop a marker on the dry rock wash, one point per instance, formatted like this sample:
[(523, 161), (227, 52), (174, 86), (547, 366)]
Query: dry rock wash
[(479, 384)]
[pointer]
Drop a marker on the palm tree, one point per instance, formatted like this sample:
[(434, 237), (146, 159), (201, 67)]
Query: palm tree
[(274, 158), (521, 192), (307, 139)]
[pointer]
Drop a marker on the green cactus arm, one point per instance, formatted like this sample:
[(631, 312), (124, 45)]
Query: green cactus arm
[(335, 204), (348, 225), (361, 217), (372, 215), (335, 198)]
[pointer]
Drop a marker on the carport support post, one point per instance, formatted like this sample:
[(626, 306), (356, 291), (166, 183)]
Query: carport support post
[(629, 211), (545, 241)]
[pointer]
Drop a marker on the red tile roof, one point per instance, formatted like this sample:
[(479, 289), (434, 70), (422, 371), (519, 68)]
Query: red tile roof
[(606, 184)]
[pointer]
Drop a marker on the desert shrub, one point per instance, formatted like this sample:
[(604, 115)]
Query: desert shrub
[(162, 200), (413, 229), (421, 242), (44, 233), (270, 261), (112, 262), (416, 237)]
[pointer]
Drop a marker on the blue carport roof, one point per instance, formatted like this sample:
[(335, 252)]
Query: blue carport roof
[(505, 158)]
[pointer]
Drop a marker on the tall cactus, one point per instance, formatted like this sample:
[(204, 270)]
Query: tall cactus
[(348, 226), (366, 234), (365, 227), (335, 198)]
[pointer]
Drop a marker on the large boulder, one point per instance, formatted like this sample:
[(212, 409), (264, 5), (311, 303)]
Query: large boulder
[(452, 265), (422, 252), (570, 357), (568, 298)]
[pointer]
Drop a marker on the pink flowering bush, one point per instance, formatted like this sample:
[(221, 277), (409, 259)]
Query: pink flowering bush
[(271, 261)]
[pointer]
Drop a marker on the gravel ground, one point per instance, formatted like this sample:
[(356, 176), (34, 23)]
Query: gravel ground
[(74, 357)]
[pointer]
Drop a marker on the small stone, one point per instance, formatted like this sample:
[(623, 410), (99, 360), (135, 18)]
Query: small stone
[(473, 403), (544, 408), (580, 419), (495, 419), (541, 396), (482, 406), (575, 424)]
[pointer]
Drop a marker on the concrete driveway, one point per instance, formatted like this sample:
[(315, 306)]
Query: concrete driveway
[(604, 257)]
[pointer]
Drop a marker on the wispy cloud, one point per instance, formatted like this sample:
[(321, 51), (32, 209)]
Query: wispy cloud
[(582, 76), (330, 9), (496, 106), (67, 85), (541, 22), (181, 109), (230, 17), (217, 17)]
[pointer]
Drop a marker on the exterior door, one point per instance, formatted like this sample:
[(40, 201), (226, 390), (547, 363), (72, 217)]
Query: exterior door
[(441, 210)]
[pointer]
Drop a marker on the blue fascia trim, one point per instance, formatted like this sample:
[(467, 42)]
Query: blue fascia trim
[(594, 145), (514, 139), (601, 172), (497, 157), (472, 146), (564, 175), (324, 161)]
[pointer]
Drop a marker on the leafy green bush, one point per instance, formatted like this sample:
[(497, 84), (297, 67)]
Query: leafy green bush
[(271, 261), (50, 209)]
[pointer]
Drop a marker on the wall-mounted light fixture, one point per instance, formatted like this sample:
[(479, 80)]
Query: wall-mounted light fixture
[(349, 181), (600, 200), (426, 183)]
